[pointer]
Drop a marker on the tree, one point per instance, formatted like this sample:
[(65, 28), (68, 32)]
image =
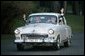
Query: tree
[(75, 7), (65, 6), (7, 13), (11, 10), (56, 6)]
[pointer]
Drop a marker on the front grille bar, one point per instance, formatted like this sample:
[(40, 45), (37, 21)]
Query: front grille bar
[(34, 36)]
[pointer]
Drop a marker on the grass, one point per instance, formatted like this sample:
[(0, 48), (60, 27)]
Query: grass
[(76, 22)]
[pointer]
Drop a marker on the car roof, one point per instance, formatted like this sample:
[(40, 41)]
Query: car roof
[(56, 14)]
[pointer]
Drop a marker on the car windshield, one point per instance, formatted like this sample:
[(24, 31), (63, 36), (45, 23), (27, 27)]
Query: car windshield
[(42, 19)]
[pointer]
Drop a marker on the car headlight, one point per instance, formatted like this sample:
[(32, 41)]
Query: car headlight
[(17, 31), (51, 31)]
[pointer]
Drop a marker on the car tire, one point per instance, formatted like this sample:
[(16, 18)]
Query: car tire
[(20, 47), (57, 44), (67, 43)]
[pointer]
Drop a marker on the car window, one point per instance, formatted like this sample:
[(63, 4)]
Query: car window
[(43, 19)]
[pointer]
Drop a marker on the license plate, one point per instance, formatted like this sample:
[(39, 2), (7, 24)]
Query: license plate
[(34, 40)]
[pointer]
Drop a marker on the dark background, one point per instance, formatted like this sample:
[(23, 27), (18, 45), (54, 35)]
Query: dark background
[(12, 13)]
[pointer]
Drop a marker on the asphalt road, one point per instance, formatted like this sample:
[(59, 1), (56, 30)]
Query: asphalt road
[(76, 48)]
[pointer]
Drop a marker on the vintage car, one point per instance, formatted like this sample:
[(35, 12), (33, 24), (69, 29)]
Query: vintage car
[(43, 29)]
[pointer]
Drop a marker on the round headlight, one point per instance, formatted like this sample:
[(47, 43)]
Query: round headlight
[(51, 31), (17, 31)]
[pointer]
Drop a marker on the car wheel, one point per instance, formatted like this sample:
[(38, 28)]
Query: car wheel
[(57, 44), (67, 43), (20, 47)]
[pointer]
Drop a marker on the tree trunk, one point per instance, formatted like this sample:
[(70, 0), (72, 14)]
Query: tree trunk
[(65, 6), (75, 7)]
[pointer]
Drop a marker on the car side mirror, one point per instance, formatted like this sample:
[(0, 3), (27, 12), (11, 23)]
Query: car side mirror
[(24, 16)]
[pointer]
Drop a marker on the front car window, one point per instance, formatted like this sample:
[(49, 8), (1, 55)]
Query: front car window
[(42, 19)]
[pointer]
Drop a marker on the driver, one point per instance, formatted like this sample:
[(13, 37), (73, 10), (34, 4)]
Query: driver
[(53, 19), (37, 19)]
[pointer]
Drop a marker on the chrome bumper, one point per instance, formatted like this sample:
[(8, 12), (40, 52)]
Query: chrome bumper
[(35, 41)]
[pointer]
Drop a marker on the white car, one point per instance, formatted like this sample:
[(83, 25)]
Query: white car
[(43, 29)]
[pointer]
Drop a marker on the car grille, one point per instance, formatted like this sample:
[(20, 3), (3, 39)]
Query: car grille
[(34, 36)]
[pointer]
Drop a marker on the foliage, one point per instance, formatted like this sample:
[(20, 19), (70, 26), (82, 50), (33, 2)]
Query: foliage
[(15, 23), (14, 9), (76, 22)]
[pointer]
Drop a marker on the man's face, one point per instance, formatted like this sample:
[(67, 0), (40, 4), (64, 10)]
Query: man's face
[(53, 20), (37, 19)]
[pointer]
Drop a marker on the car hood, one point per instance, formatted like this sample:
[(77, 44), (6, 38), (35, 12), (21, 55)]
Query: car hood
[(37, 28)]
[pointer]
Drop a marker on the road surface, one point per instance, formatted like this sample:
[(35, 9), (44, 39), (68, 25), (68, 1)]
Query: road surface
[(76, 48)]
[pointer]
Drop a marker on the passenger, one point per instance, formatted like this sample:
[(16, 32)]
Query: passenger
[(53, 19), (49, 20), (37, 19)]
